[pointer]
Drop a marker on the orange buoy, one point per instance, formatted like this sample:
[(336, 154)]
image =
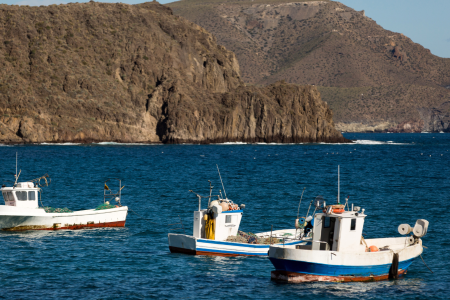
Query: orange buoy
[(373, 249)]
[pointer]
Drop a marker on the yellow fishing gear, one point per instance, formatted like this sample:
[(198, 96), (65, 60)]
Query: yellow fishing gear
[(210, 227)]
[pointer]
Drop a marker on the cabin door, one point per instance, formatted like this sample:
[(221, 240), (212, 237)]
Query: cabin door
[(327, 233)]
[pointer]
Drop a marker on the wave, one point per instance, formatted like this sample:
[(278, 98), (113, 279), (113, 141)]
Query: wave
[(60, 144), (370, 142), (124, 144)]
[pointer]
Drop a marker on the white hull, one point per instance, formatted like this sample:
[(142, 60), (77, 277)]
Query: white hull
[(15, 219), (181, 243), (301, 265)]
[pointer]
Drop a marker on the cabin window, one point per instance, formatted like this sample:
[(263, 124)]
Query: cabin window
[(326, 222), (9, 196), (22, 196), (6, 196), (228, 219), (353, 224), (31, 195)]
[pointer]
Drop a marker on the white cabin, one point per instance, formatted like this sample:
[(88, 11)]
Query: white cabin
[(23, 195), (227, 224), (339, 232)]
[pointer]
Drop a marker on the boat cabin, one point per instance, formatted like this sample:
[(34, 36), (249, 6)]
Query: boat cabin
[(226, 224), (24, 195), (338, 231)]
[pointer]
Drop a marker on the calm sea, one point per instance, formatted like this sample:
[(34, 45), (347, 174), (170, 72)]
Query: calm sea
[(397, 178)]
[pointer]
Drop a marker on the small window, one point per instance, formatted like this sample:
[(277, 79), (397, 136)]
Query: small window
[(31, 195), (9, 196), (228, 219), (5, 196), (21, 196), (326, 222), (353, 224)]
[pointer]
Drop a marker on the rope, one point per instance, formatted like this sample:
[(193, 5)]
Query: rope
[(142, 216), (425, 264)]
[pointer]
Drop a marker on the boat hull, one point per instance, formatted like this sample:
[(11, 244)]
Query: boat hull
[(292, 277), (180, 243), (298, 265), (38, 219), (295, 271)]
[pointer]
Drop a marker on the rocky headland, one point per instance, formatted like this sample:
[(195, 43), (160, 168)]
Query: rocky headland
[(90, 72), (373, 79)]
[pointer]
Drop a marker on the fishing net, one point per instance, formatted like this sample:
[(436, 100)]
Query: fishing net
[(104, 206), (49, 209), (250, 238)]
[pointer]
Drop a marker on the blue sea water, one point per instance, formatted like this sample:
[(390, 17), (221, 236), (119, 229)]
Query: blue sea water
[(397, 178)]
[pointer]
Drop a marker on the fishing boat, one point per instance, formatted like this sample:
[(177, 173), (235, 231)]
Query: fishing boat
[(338, 252), (216, 232), (22, 211)]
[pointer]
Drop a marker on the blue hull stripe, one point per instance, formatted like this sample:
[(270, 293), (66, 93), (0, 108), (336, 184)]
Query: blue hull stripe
[(232, 212), (245, 245), (335, 270), (234, 252)]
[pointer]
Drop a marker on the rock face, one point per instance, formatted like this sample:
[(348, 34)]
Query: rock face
[(436, 119), (136, 73), (372, 78)]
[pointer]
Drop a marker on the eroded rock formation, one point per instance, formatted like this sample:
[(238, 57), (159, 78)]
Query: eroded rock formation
[(136, 73)]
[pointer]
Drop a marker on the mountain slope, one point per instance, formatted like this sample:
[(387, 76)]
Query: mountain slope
[(137, 73), (372, 78)]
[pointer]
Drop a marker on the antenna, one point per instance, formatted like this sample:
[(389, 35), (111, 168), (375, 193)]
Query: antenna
[(210, 192), (16, 175), (339, 186), (300, 202), (222, 182)]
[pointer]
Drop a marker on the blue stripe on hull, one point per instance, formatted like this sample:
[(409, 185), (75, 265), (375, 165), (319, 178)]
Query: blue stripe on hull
[(234, 252), (335, 270)]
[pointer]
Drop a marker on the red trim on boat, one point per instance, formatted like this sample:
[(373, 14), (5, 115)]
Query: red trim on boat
[(300, 277), (70, 227)]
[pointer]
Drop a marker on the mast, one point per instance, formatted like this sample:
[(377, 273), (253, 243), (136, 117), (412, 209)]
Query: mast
[(339, 186), (222, 182)]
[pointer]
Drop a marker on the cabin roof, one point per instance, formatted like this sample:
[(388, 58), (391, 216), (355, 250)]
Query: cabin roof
[(345, 214)]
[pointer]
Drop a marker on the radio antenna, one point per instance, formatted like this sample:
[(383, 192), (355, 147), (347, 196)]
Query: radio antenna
[(300, 202), (222, 182)]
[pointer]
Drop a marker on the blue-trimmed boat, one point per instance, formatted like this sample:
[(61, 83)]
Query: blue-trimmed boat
[(338, 252), (216, 228)]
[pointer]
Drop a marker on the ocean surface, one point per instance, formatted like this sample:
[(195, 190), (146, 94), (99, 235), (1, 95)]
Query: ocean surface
[(397, 178)]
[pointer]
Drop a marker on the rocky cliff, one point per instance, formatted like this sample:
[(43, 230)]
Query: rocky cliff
[(373, 79), (137, 73)]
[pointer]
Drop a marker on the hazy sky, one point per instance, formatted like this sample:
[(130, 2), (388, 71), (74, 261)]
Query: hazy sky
[(425, 22)]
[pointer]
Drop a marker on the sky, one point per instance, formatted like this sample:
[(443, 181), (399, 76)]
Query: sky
[(424, 22)]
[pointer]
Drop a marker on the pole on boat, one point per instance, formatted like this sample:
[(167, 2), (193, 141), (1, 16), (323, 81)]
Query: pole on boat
[(210, 192), (298, 210), (16, 164), (339, 186), (222, 182)]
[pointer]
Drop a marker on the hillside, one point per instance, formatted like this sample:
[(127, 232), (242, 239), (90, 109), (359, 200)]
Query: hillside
[(372, 78), (88, 72)]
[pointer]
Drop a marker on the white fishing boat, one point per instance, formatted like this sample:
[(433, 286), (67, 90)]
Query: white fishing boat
[(22, 211), (216, 232), (338, 252)]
